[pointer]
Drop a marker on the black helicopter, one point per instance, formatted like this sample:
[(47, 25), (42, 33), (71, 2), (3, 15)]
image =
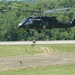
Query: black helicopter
[(39, 22)]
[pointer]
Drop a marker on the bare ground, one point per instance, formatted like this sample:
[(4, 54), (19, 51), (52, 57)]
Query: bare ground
[(26, 61)]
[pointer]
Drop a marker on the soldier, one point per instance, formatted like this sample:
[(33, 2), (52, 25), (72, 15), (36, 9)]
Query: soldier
[(34, 41)]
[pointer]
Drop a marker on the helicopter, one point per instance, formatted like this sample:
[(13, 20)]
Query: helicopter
[(39, 22)]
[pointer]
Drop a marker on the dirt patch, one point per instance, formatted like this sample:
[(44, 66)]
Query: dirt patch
[(26, 61)]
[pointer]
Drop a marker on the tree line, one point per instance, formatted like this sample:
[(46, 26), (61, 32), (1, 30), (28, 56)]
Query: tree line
[(9, 20)]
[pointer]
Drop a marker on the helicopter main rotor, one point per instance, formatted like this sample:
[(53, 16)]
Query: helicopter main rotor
[(54, 11), (44, 11)]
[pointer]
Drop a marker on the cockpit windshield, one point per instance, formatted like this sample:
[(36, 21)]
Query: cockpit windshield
[(26, 21), (23, 20)]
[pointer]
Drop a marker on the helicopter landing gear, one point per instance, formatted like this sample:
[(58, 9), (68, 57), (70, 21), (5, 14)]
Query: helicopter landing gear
[(34, 41), (67, 30)]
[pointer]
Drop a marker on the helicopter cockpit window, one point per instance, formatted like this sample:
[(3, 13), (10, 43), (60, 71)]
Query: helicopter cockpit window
[(23, 20), (29, 21)]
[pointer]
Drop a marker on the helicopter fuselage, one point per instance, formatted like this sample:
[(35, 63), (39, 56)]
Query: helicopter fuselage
[(44, 22)]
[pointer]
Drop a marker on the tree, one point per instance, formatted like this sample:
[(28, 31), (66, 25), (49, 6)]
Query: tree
[(9, 21)]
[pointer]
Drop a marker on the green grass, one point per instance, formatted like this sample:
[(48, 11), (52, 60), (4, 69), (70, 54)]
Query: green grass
[(13, 50), (47, 70)]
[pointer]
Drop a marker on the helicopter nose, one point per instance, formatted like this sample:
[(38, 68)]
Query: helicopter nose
[(20, 25)]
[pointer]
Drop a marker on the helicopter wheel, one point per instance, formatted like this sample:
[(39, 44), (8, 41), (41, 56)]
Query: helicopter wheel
[(39, 31)]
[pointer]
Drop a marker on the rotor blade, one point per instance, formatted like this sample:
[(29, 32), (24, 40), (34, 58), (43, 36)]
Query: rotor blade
[(51, 11), (22, 10), (46, 11), (41, 11), (63, 12), (62, 9), (37, 11), (12, 6), (15, 7)]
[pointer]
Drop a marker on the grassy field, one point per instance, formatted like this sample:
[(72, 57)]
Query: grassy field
[(47, 70), (13, 50)]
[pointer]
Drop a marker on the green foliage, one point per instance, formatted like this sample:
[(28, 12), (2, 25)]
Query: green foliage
[(9, 21)]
